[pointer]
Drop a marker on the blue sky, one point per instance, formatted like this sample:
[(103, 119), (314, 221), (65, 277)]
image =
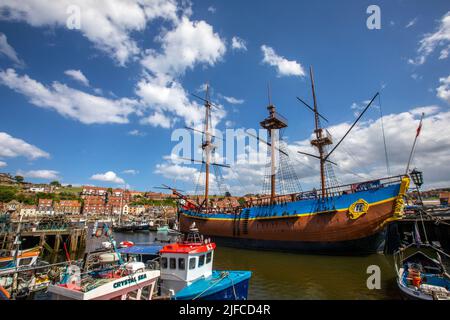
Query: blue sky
[(132, 59)]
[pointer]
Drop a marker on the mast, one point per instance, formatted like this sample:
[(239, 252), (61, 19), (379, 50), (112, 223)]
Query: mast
[(320, 140), (207, 146), (272, 123)]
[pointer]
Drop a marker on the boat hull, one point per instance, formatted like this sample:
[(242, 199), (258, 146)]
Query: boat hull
[(221, 285), (305, 225)]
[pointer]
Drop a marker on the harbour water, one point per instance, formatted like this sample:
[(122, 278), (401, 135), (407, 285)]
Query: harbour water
[(282, 275)]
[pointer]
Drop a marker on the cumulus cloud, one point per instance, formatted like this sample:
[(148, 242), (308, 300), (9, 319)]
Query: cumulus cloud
[(189, 43), (109, 176), (157, 120), (283, 66), (69, 102), (238, 44), (443, 91), (103, 22), (3, 164), (39, 174), (176, 171), (13, 147), (430, 41), (78, 76), (8, 51)]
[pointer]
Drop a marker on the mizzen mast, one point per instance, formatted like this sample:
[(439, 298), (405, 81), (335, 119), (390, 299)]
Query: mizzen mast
[(273, 123), (321, 140)]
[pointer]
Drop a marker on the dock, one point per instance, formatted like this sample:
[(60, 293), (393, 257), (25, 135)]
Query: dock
[(50, 234), (435, 221)]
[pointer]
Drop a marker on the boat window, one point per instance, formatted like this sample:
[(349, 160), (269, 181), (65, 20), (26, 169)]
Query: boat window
[(164, 263), (26, 261), (201, 260), (4, 264), (208, 257), (173, 263), (191, 263), (181, 264)]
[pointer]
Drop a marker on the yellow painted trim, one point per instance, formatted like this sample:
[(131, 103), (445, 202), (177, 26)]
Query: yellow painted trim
[(289, 216), (352, 214)]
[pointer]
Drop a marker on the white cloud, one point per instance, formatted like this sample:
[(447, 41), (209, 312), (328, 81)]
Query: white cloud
[(136, 133), (157, 120), (14, 147), (78, 76), (411, 23), (8, 51), (3, 164), (430, 41), (238, 44), (188, 44), (39, 174), (176, 171), (170, 101), (108, 24), (284, 67), (70, 103), (443, 91), (233, 100), (131, 171), (109, 176), (212, 9)]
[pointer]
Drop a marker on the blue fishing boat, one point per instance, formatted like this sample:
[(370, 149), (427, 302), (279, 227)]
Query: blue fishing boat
[(187, 274)]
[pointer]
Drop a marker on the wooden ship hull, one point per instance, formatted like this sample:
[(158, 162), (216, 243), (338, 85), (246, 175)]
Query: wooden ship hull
[(315, 225)]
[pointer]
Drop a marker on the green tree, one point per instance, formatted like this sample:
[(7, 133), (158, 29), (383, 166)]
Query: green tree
[(19, 179), (7, 193), (55, 183)]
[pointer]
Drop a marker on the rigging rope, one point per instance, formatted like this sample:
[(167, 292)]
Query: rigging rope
[(384, 137)]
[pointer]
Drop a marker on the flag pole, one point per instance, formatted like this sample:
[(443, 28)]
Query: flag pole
[(414, 144)]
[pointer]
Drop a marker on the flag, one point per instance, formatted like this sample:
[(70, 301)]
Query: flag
[(420, 126)]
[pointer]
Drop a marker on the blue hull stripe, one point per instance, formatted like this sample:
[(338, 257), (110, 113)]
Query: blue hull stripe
[(308, 207)]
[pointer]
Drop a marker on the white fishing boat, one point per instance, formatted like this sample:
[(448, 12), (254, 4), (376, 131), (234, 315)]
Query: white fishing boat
[(105, 276)]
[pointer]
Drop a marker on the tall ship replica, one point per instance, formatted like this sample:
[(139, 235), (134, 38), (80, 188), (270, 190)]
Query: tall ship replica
[(340, 219)]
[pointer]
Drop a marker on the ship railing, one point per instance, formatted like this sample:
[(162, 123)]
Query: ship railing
[(329, 192)]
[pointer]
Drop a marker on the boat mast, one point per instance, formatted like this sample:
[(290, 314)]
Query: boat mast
[(206, 146), (320, 142), (272, 123)]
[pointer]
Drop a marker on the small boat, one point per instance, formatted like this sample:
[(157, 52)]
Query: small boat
[(105, 276), (25, 259), (130, 281), (187, 274), (421, 276)]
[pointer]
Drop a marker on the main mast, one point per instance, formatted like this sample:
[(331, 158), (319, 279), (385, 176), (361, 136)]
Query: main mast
[(271, 124), (206, 146), (321, 141)]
